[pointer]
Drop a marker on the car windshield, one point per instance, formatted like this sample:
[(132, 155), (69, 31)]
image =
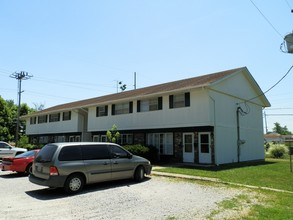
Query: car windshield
[(46, 153), (26, 154)]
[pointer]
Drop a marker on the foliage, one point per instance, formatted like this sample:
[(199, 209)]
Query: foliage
[(24, 143), (8, 119), (148, 152), (113, 134), (281, 130), (137, 149), (277, 152)]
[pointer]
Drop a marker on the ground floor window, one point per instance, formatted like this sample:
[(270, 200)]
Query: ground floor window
[(163, 141), (59, 138), (125, 139), (99, 138), (43, 140)]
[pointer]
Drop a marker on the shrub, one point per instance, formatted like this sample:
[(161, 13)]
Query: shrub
[(149, 152), (277, 152)]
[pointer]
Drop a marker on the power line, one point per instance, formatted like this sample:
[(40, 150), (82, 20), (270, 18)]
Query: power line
[(273, 85), (267, 19), (288, 4), (279, 109), (279, 114)]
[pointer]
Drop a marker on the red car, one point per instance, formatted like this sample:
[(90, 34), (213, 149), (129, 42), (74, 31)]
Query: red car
[(21, 163)]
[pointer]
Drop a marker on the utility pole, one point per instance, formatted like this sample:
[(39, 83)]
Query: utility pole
[(19, 76), (266, 124), (134, 80)]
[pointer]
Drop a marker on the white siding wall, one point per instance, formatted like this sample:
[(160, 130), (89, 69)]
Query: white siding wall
[(195, 115), (73, 125), (251, 124)]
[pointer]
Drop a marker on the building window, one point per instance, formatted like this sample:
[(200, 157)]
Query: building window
[(42, 119), (66, 116), (33, 120), (163, 142), (71, 139), (77, 138), (179, 100), (101, 111), (149, 104), (103, 138), (54, 117), (125, 139), (59, 138), (122, 108), (96, 138), (43, 140), (100, 138)]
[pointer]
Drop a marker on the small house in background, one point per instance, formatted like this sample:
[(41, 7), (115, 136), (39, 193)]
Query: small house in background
[(278, 138), (209, 119), (274, 138)]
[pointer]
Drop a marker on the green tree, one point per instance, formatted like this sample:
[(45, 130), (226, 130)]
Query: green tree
[(8, 119), (281, 130), (113, 134)]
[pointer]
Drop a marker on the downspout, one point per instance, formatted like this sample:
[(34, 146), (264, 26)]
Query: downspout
[(238, 135)]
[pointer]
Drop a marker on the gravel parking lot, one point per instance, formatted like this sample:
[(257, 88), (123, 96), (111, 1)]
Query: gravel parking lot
[(155, 198)]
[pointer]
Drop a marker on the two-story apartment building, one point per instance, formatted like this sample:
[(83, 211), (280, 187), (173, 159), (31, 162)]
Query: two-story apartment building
[(209, 119)]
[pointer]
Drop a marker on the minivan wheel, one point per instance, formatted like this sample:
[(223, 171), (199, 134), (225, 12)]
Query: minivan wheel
[(74, 184), (139, 174)]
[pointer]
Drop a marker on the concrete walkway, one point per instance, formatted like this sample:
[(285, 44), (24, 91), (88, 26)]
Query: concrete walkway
[(156, 172)]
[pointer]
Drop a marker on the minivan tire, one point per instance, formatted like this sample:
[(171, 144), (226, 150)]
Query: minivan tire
[(74, 183), (139, 174)]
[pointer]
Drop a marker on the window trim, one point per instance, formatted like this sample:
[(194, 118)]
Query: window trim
[(54, 117), (158, 104), (33, 120), (126, 108), (66, 117), (99, 112), (42, 119), (186, 100)]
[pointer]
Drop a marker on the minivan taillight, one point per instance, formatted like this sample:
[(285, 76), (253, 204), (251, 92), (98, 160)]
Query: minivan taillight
[(53, 171)]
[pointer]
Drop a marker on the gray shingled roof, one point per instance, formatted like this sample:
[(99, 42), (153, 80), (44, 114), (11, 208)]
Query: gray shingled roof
[(194, 82)]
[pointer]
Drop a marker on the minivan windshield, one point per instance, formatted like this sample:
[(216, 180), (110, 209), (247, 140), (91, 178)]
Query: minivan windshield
[(46, 153)]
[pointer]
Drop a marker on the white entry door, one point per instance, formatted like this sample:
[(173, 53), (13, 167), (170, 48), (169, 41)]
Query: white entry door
[(204, 142), (188, 147)]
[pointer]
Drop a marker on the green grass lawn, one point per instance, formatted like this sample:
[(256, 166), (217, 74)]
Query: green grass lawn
[(271, 173)]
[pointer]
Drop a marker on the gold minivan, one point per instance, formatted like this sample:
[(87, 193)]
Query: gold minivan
[(72, 165)]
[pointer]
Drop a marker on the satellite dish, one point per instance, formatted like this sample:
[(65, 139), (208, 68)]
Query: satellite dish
[(288, 39)]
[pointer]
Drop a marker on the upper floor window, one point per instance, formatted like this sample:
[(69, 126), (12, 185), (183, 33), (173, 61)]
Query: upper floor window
[(54, 117), (149, 105), (122, 108), (101, 111), (42, 119), (66, 116), (179, 100), (33, 120)]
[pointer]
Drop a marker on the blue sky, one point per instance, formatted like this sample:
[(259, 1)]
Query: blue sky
[(81, 49)]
